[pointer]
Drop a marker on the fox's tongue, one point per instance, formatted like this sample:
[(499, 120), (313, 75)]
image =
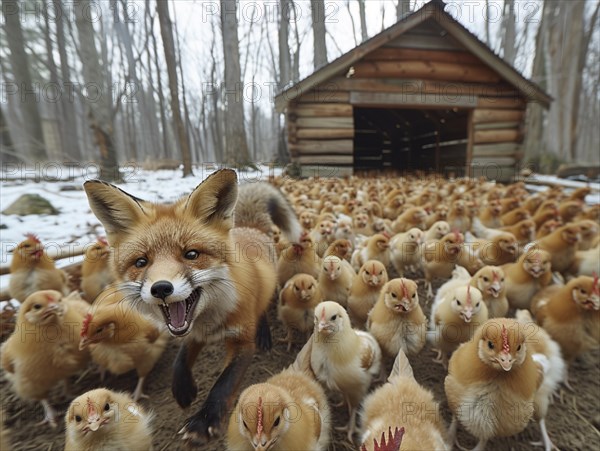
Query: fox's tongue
[(177, 314)]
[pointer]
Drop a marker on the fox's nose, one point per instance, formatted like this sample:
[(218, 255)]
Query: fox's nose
[(161, 289)]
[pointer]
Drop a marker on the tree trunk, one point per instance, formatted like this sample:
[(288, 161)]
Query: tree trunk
[(98, 99), (236, 144), (317, 8), (363, 20), (285, 73), (166, 31), (35, 148), (69, 122), (509, 32), (402, 9)]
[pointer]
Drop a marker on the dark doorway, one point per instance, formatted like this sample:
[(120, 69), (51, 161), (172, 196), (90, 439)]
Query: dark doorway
[(408, 140)]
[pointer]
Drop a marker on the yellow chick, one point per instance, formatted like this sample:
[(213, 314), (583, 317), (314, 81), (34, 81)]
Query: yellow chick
[(454, 318), (397, 321), (386, 408), (405, 251), (102, 419), (43, 349), (95, 270), (490, 281), (365, 291), (343, 359), (287, 412), (297, 301), (335, 280)]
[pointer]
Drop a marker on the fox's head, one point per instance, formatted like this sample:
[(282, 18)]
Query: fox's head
[(172, 259)]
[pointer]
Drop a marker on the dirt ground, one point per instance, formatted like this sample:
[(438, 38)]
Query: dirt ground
[(573, 422)]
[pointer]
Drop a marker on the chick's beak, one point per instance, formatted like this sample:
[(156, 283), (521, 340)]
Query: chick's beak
[(467, 315), (506, 361)]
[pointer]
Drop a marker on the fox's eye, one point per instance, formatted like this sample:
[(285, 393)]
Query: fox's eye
[(37, 306), (192, 255), (141, 262), (77, 418), (276, 422), (334, 317), (106, 407), (490, 345), (394, 295)]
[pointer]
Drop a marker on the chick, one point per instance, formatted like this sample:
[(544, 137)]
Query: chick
[(562, 246), (589, 234), (586, 263), (377, 248), (439, 258), (335, 280), (490, 281), (298, 258), (95, 270), (120, 339), (412, 217), (436, 231), (547, 352), (405, 251), (566, 311), (32, 270), (343, 359), (490, 379), (501, 249), (36, 361), (458, 217), (454, 318), (514, 216), (341, 248), (343, 230), (397, 321), (322, 235), (297, 301), (365, 291), (387, 406), (525, 277), (102, 419), (287, 412)]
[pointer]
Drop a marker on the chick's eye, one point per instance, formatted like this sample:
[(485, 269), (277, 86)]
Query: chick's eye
[(334, 317), (191, 255), (414, 295), (485, 279), (100, 329), (276, 422), (246, 426), (477, 305), (394, 295), (490, 345), (141, 262), (458, 302), (106, 407), (519, 348), (37, 307), (77, 418), (582, 291)]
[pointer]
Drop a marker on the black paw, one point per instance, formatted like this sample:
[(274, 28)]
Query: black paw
[(183, 386), (201, 428), (264, 340)]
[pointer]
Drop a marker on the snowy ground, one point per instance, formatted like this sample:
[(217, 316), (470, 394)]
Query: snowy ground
[(77, 225)]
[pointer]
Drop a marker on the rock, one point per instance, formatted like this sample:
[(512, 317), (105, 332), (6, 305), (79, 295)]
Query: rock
[(30, 204)]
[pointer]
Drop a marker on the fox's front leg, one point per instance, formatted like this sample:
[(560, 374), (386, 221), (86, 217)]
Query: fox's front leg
[(206, 423), (183, 385)]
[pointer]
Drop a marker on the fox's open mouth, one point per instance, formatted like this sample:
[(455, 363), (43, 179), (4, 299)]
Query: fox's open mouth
[(178, 314)]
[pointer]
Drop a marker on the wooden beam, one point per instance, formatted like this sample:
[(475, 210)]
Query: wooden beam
[(328, 92), (325, 122), (404, 54), (507, 148), (470, 144), (497, 136), (483, 116), (509, 103), (425, 69), (325, 133), (323, 109), (326, 171), (337, 146), (424, 42), (375, 99), (499, 161), (325, 159), (497, 125)]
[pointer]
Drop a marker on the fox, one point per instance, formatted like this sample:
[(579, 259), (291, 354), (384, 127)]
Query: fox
[(204, 268)]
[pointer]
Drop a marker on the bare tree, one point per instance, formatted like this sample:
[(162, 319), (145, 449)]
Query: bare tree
[(363, 20), (98, 102), (166, 32), (35, 148), (508, 32), (317, 8), (236, 144), (402, 8)]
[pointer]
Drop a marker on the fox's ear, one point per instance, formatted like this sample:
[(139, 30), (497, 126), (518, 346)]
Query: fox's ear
[(116, 210), (214, 199)]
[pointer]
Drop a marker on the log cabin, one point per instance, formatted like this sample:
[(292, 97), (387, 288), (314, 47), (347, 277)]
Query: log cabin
[(423, 95)]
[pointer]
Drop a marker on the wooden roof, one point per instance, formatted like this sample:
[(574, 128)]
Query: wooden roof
[(433, 10)]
